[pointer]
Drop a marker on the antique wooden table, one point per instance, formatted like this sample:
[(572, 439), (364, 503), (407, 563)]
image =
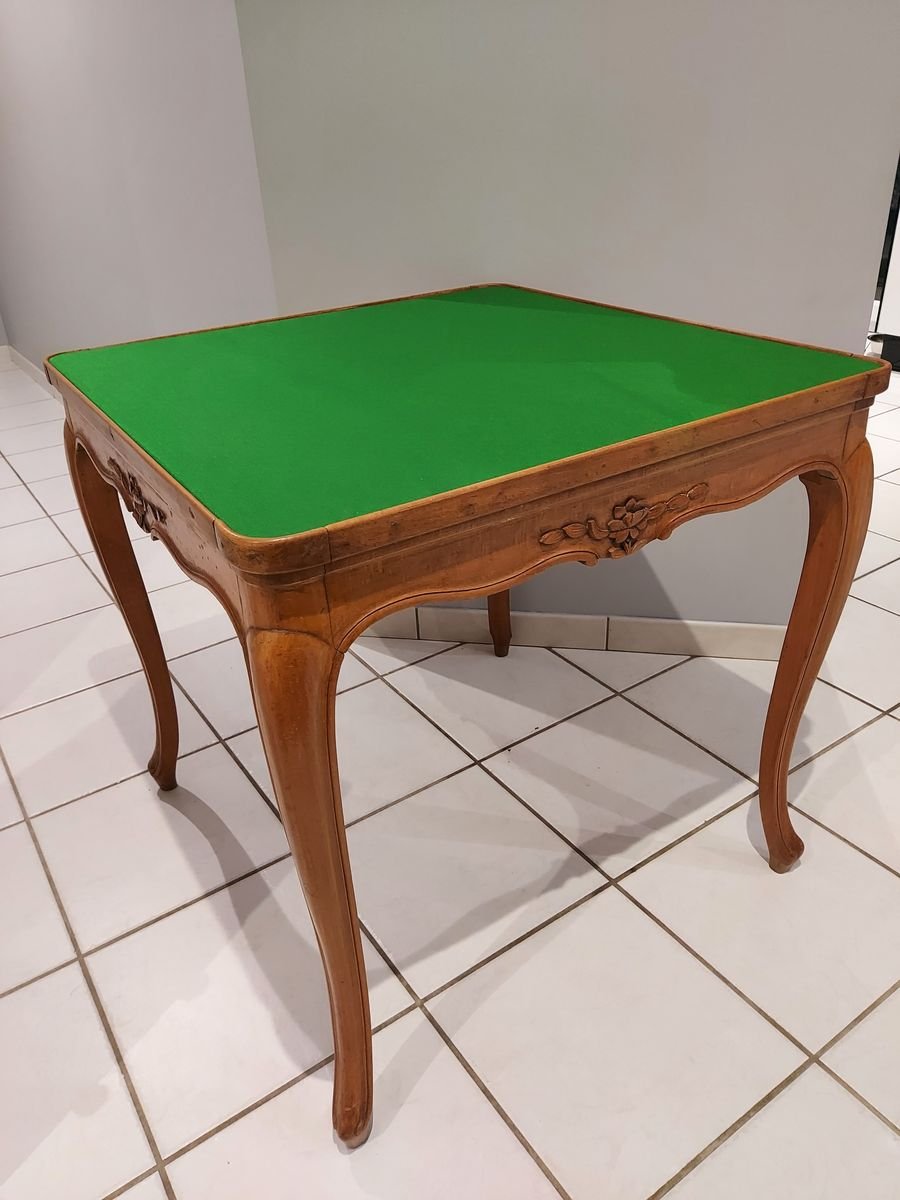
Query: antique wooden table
[(319, 472)]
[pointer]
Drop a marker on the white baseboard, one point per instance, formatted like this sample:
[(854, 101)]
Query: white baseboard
[(35, 373), (528, 628), (650, 635), (5, 358), (716, 639)]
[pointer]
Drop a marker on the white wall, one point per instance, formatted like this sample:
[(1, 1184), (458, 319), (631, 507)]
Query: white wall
[(889, 311), (129, 198), (728, 162)]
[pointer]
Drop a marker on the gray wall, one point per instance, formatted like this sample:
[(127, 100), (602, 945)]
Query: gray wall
[(724, 162), (129, 198)]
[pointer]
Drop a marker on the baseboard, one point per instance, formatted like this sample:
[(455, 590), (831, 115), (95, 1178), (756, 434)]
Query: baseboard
[(710, 639), (528, 628), (36, 373), (5, 358), (650, 635)]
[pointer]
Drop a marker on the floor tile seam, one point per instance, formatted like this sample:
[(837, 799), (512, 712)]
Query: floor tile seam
[(208, 894), (273, 1093), (105, 787), (272, 807), (859, 1097), (107, 603), (415, 1005), (18, 987), (714, 970), (404, 666), (891, 562), (877, 715), (465, 1064), (872, 604), (99, 1010), (693, 741), (559, 651), (841, 837), (50, 562), (755, 1109)]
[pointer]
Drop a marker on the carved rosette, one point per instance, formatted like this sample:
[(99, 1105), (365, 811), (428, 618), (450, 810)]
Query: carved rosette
[(632, 524), (147, 514)]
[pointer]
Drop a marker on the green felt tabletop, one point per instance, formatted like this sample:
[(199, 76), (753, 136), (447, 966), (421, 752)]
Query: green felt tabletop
[(290, 425)]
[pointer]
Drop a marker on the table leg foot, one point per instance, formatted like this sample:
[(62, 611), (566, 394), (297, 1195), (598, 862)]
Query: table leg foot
[(353, 1129), (294, 676), (499, 622), (99, 504), (839, 504), (782, 858)]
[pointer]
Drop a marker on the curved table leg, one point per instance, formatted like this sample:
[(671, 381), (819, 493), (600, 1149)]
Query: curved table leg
[(99, 504), (294, 676), (499, 623), (839, 508)]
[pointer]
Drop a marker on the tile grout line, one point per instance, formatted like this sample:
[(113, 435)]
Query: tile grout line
[(672, 729), (139, 670), (826, 1047), (604, 886), (714, 970), (559, 652), (871, 603), (494, 1102), (421, 1007), (859, 1097), (607, 878), (502, 950), (273, 808), (95, 998), (874, 570), (629, 871), (77, 553), (877, 715), (154, 920), (171, 912), (813, 1060), (56, 620), (114, 783), (120, 1191), (480, 762), (17, 987), (415, 1005), (843, 838), (416, 661), (260, 1101), (407, 796), (726, 1134)]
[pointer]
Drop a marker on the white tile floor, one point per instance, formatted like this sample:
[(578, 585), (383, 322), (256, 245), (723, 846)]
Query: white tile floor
[(585, 979)]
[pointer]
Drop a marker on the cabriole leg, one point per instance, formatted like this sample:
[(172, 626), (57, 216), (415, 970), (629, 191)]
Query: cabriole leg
[(839, 506), (499, 622), (99, 504), (294, 676)]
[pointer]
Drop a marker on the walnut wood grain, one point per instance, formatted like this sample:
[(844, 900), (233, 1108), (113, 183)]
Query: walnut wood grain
[(298, 603), (99, 504), (499, 622), (294, 676), (839, 504)]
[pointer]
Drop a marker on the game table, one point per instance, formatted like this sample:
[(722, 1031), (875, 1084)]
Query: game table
[(321, 471)]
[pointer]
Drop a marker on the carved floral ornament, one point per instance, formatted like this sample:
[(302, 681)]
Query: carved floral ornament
[(147, 514), (629, 526)]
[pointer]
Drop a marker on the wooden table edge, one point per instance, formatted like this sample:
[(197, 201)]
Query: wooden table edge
[(382, 530)]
